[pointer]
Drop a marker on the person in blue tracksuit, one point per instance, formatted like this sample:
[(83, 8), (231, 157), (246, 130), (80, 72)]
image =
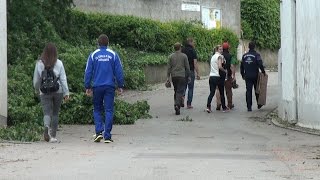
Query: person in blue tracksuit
[(103, 67), (250, 65)]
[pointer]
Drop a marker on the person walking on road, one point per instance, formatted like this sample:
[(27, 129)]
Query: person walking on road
[(189, 50), (229, 77), (103, 67), (50, 82), (178, 69), (250, 65), (215, 80)]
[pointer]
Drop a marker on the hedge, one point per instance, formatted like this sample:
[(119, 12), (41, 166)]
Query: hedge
[(143, 34)]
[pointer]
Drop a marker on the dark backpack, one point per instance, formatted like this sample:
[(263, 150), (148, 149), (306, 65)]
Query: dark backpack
[(49, 81)]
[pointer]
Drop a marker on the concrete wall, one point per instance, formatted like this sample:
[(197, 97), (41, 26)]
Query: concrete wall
[(3, 64), (165, 10), (158, 74), (269, 57), (300, 102), (308, 81), (287, 106)]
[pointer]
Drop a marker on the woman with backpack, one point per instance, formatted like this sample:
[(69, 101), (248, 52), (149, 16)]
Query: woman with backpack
[(50, 82)]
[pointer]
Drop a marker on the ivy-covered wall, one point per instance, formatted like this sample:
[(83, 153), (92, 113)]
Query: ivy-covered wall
[(260, 21)]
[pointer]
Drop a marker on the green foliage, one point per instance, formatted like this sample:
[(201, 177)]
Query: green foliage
[(28, 29), (126, 113), (246, 30), (143, 34), (74, 60), (26, 131), (79, 111), (228, 35), (263, 18)]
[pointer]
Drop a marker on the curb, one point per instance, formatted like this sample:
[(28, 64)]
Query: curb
[(275, 120), (295, 128)]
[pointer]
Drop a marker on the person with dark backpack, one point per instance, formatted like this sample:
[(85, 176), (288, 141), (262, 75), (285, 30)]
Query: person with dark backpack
[(50, 83)]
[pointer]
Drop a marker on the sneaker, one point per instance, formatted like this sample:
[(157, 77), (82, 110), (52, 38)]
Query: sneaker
[(108, 141), (46, 134), (53, 140), (98, 137), (225, 110), (95, 135), (177, 109), (259, 106), (232, 106), (189, 107), (249, 109), (218, 107), (209, 110)]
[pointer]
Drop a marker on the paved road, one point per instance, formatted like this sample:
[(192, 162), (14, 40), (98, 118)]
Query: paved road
[(234, 145)]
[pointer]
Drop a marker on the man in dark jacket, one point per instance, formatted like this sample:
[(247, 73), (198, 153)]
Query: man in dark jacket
[(250, 65), (191, 53)]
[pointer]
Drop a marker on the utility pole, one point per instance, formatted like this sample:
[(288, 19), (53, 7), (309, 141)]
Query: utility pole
[(3, 65)]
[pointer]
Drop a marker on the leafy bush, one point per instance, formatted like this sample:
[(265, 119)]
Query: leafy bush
[(144, 34), (264, 19), (26, 131), (79, 111)]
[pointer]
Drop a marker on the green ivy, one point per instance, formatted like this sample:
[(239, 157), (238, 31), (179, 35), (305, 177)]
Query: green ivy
[(25, 131), (261, 22)]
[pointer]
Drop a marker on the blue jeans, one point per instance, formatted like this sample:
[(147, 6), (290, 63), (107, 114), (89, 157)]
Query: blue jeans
[(103, 100), (190, 87)]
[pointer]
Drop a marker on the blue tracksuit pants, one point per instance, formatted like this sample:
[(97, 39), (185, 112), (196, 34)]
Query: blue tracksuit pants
[(103, 100)]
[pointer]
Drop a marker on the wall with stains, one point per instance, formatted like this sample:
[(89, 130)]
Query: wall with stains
[(165, 10), (299, 66), (3, 63), (308, 62), (287, 66)]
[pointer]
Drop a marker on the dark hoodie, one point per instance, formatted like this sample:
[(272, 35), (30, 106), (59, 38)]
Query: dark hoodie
[(227, 65), (191, 54)]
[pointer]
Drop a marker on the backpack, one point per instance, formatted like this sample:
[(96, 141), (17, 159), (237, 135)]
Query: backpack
[(49, 81)]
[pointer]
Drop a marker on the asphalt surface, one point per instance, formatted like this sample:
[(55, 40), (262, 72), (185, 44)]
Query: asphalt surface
[(234, 145)]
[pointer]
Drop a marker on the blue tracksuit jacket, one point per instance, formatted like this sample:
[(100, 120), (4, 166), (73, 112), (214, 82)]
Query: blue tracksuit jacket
[(103, 67)]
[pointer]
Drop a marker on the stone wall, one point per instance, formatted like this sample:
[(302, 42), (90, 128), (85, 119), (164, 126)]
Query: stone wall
[(165, 10), (158, 74)]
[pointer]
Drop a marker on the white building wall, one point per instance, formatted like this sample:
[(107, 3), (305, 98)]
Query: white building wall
[(3, 63), (308, 63), (287, 68)]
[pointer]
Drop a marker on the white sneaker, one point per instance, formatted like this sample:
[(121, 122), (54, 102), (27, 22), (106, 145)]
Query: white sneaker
[(53, 140)]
